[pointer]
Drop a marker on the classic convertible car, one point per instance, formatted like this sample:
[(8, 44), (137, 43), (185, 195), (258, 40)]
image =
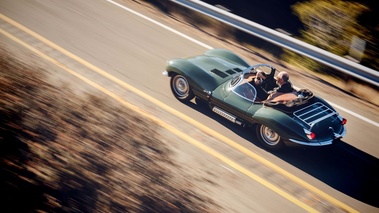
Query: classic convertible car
[(223, 80)]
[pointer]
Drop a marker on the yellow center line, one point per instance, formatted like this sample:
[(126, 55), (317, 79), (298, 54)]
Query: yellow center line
[(167, 126), (184, 117)]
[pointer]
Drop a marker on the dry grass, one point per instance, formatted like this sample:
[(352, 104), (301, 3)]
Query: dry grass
[(62, 153)]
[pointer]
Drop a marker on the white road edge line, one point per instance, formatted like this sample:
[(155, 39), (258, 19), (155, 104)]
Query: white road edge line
[(227, 168), (161, 25), (209, 47), (355, 114)]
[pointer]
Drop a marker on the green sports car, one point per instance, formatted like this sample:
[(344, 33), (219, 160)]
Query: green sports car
[(223, 80)]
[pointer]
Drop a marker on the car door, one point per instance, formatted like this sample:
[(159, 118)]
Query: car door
[(236, 101)]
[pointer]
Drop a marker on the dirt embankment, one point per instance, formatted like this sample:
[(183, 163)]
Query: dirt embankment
[(63, 153)]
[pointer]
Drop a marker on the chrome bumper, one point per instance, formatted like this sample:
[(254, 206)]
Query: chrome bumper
[(321, 143)]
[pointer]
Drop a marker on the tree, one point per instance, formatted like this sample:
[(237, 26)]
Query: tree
[(331, 24)]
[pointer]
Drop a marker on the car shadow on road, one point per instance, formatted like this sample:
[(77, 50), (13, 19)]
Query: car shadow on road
[(341, 166)]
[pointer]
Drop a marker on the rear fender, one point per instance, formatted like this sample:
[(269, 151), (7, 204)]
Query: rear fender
[(279, 122)]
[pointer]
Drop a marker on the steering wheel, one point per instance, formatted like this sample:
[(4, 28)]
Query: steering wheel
[(270, 82)]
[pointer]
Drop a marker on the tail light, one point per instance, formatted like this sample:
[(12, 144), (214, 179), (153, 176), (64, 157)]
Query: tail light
[(344, 121), (311, 135)]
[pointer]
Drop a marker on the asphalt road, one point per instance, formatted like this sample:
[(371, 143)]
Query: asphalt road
[(135, 50)]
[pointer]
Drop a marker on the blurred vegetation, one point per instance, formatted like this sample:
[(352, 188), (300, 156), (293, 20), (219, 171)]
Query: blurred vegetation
[(61, 152), (370, 20), (331, 25), (365, 19)]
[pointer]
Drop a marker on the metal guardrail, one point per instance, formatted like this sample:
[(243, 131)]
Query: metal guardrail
[(337, 62)]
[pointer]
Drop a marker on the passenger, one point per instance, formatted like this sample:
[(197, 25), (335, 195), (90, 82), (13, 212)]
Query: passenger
[(283, 82), (257, 83)]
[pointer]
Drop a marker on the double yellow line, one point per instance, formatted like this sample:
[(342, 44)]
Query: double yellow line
[(170, 127)]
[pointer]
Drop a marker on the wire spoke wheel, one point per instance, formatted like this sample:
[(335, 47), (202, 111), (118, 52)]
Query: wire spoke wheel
[(181, 88), (269, 138)]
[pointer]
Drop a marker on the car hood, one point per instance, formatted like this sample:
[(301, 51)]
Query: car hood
[(206, 72), (219, 69)]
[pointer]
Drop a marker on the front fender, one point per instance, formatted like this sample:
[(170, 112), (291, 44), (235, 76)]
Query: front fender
[(197, 78)]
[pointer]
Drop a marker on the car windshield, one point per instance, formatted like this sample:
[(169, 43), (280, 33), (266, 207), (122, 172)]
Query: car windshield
[(239, 78), (242, 87), (246, 91), (241, 84)]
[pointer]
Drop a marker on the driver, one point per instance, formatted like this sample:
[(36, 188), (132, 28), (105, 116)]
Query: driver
[(283, 82), (257, 83)]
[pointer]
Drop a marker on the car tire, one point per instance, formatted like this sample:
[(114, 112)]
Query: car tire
[(181, 88), (269, 138)]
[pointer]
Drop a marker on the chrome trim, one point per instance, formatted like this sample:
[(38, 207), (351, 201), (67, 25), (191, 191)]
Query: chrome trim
[(310, 115), (322, 143), (165, 73), (224, 114), (342, 134)]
